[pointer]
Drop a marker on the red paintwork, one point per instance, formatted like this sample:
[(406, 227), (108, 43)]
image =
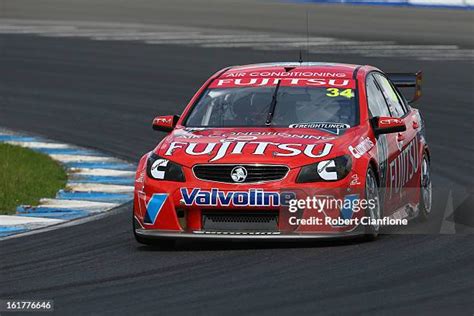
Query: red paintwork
[(167, 220)]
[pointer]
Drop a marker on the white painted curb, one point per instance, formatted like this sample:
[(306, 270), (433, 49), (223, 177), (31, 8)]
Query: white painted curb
[(96, 183)]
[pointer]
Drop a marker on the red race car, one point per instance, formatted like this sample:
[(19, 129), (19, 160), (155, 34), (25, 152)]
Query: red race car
[(286, 151)]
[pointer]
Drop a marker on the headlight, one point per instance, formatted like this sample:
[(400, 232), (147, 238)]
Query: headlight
[(162, 169), (327, 170)]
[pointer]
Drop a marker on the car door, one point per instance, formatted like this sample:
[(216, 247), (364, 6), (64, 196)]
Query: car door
[(403, 161), (385, 143)]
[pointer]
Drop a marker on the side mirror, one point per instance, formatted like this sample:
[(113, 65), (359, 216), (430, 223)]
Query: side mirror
[(387, 125), (165, 123)]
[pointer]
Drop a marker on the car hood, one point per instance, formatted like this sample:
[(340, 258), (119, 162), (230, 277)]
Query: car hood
[(289, 146)]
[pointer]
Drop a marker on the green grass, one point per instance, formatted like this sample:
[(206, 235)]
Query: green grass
[(26, 176)]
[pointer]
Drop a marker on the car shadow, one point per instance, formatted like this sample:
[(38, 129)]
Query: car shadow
[(231, 245)]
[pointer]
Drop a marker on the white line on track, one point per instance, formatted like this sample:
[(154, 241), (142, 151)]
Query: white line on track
[(211, 38), (39, 145)]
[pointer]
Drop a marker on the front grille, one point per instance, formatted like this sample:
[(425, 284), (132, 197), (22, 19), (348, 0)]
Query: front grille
[(236, 233), (255, 173), (239, 221)]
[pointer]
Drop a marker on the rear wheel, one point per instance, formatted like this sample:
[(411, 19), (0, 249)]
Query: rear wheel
[(426, 189), (373, 210)]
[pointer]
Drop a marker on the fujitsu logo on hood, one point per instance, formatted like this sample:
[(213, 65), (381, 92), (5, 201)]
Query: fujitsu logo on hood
[(218, 150)]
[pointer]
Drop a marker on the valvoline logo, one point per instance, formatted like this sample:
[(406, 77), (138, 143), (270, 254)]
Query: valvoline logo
[(251, 197)]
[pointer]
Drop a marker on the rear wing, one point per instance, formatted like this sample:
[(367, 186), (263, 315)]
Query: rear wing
[(408, 80)]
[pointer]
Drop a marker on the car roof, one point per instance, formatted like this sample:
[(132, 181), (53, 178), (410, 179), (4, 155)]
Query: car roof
[(320, 69)]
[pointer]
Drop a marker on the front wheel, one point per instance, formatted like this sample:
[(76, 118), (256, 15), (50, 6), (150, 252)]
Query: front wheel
[(373, 210), (426, 189)]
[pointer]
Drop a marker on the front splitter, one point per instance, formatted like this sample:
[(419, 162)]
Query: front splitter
[(263, 235)]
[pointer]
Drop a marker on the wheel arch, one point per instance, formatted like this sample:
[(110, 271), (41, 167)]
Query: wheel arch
[(373, 164), (426, 150)]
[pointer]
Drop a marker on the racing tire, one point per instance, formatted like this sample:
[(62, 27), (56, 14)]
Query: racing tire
[(426, 189), (372, 191), (161, 243)]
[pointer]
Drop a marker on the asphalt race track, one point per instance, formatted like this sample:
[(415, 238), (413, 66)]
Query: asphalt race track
[(104, 94)]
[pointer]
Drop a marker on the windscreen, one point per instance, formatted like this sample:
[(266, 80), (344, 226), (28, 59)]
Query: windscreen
[(292, 101)]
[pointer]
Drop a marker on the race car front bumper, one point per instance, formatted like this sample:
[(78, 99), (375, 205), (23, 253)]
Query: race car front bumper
[(162, 210), (242, 235)]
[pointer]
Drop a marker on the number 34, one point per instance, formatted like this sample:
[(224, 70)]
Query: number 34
[(335, 92)]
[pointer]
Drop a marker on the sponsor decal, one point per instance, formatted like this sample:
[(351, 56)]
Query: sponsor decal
[(319, 125), (219, 150), (163, 120), (390, 121), (360, 149), (251, 197), (158, 168), (285, 74), (282, 134), (241, 137), (327, 170), (154, 207), (404, 167), (285, 82), (355, 179), (334, 128), (248, 136)]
